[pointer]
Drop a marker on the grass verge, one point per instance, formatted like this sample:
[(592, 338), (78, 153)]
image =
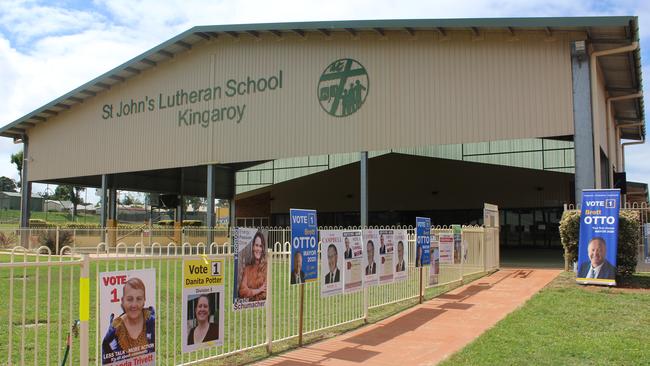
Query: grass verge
[(570, 324)]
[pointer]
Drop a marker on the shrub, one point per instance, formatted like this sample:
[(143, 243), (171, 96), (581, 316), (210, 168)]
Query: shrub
[(166, 223), (48, 239), (628, 239), (8, 239), (192, 223)]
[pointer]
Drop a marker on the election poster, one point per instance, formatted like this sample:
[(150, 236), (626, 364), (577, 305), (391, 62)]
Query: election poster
[(458, 243), (646, 242), (401, 254), (250, 276), (434, 269), (203, 303), (127, 301), (332, 251), (422, 241), (446, 246), (304, 246), (370, 258), (598, 241), (353, 257), (386, 249)]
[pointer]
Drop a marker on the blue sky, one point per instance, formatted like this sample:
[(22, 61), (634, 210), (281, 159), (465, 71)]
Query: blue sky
[(49, 48)]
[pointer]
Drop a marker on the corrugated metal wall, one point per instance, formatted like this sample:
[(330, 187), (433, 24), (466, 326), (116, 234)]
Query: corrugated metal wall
[(422, 92)]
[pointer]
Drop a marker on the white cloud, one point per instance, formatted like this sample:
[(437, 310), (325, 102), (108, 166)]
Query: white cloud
[(47, 50)]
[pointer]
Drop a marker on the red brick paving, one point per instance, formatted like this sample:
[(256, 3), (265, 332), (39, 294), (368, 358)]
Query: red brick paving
[(427, 333)]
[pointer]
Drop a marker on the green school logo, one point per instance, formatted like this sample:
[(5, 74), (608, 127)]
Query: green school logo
[(343, 87)]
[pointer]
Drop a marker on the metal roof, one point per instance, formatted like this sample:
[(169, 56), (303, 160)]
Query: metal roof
[(622, 72)]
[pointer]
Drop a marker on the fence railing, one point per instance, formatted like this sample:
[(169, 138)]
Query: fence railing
[(41, 294)]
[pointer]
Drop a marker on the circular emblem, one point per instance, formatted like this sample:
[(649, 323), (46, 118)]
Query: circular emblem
[(343, 87)]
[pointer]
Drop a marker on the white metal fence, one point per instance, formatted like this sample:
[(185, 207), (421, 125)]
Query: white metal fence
[(40, 295)]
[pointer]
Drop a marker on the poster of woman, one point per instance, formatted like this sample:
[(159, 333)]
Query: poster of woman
[(203, 303), (249, 290), (127, 311)]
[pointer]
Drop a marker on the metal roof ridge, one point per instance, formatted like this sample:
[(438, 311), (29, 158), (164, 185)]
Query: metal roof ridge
[(340, 24)]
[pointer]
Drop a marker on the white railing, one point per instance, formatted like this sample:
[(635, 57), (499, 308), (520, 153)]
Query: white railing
[(42, 300)]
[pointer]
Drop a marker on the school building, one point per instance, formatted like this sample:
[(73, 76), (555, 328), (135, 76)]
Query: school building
[(369, 122)]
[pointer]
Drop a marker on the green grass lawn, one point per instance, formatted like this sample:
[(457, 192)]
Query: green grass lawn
[(243, 329), (569, 324)]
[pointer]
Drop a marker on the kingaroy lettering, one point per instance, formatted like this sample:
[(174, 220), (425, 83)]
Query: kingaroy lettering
[(190, 117)]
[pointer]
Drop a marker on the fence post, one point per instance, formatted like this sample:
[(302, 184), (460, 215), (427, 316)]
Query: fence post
[(462, 257), (421, 285), (269, 303), (302, 312), (365, 305), (84, 310), (57, 240)]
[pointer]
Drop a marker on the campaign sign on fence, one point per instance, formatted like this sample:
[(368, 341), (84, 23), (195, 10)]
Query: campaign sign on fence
[(434, 269), (446, 245), (401, 254), (598, 239), (370, 258), (422, 241), (304, 246), (458, 243), (386, 249), (646, 242), (127, 311), (331, 264), (353, 257), (250, 251), (203, 303)]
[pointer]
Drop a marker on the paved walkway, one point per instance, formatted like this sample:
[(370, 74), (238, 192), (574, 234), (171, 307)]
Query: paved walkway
[(427, 333)]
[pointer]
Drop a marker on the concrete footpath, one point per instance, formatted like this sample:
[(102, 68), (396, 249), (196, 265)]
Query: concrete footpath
[(427, 333)]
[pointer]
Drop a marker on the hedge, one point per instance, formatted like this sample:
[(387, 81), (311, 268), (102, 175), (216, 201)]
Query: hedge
[(628, 239)]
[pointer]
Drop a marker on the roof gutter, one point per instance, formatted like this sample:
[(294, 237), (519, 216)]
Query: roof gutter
[(595, 126), (619, 163)]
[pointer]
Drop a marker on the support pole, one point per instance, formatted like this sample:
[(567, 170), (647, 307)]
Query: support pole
[(112, 218), (302, 313), (104, 207), (84, 311), (211, 196), (269, 302), (363, 213), (25, 195), (584, 149)]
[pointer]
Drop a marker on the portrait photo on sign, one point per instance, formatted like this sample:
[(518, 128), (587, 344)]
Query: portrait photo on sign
[(386, 248), (203, 303), (353, 258), (203, 320), (127, 312), (331, 264), (250, 268), (401, 254), (371, 257)]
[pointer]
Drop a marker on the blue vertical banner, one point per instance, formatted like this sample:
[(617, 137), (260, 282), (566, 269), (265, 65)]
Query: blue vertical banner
[(598, 237), (422, 241), (304, 246)]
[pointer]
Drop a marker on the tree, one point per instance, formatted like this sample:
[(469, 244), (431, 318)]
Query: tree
[(69, 193), (130, 199), (195, 202), (7, 184), (17, 159)]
